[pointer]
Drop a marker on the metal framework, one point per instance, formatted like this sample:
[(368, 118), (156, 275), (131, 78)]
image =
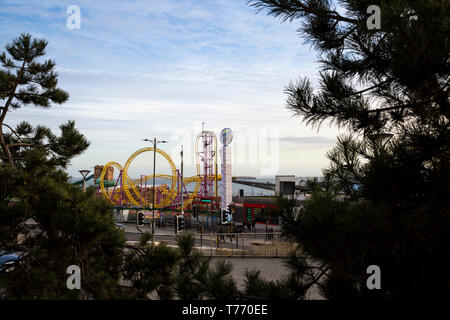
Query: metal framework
[(208, 157), (128, 192)]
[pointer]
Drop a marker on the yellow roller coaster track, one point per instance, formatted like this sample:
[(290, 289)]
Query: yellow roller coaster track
[(130, 186)]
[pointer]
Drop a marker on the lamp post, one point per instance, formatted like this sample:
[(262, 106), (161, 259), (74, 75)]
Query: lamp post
[(155, 143), (84, 173), (182, 209)]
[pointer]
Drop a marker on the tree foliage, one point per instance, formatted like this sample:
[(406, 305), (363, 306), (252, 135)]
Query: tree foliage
[(383, 200), (371, 79), (23, 81), (150, 268), (53, 225), (197, 279), (50, 222)]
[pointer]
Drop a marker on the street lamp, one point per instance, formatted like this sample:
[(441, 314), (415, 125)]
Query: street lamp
[(155, 143), (84, 173), (182, 194)]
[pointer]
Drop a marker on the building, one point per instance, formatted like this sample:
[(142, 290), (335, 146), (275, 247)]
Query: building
[(284, 185), (259, 209)]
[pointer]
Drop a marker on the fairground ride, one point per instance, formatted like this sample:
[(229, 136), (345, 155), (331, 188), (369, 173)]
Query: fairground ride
[(125, 191)]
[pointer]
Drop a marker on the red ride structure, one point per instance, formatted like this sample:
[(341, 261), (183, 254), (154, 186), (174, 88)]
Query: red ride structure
[(208, 160)]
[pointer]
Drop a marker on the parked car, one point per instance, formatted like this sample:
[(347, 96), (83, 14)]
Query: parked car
[(7, 260), (120, 226)]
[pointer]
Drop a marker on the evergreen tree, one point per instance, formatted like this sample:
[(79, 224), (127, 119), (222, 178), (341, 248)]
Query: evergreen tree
[(151, 269), (197, 279), (24, 80), (385, 200), (158, 271), (54, 224), (192, 270), (50, 222)]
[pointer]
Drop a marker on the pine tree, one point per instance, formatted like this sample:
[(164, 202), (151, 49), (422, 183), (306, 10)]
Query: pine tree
[(50, 222), (197, 279), (24, 80), (151, 269), (372, 79), (383, 200)]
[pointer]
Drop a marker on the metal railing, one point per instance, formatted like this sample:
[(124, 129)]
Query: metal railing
[(237, 244)]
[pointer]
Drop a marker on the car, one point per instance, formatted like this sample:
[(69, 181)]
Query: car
[(8, 260), (120, 226)]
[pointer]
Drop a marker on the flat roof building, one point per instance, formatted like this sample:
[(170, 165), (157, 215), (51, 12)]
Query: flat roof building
[(284, 185)]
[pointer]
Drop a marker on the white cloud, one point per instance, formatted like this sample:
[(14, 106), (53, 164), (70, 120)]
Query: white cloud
[(148, 68)]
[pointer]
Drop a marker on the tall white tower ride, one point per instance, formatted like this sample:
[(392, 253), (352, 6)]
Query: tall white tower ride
[(226, 136)]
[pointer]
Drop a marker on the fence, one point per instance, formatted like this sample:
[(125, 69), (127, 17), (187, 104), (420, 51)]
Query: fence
[(208, 224), (238, 244)]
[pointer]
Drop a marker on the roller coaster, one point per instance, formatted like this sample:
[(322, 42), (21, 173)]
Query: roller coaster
[(125, 191)]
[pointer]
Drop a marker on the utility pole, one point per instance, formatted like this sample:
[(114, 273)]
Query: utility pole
[(154, 142), (154, 191), (182, 195)]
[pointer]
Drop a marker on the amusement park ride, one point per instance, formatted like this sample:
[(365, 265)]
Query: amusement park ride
[(125, 192)]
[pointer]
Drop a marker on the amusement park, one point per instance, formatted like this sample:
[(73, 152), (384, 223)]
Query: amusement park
[(320, 169), (207, 193), (204, 199)]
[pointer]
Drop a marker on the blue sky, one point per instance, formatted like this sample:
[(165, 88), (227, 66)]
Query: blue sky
[(144, 69)]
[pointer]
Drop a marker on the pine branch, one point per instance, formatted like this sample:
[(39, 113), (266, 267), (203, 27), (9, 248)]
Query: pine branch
[(293, 9), (12, 130), (20, 145)]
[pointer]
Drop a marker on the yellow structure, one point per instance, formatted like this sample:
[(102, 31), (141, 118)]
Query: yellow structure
[(130, 188)]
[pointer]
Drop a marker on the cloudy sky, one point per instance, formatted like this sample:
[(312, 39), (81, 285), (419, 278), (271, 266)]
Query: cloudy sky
[(145, 69)]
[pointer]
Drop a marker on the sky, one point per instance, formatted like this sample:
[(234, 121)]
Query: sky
[(164, 69)]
